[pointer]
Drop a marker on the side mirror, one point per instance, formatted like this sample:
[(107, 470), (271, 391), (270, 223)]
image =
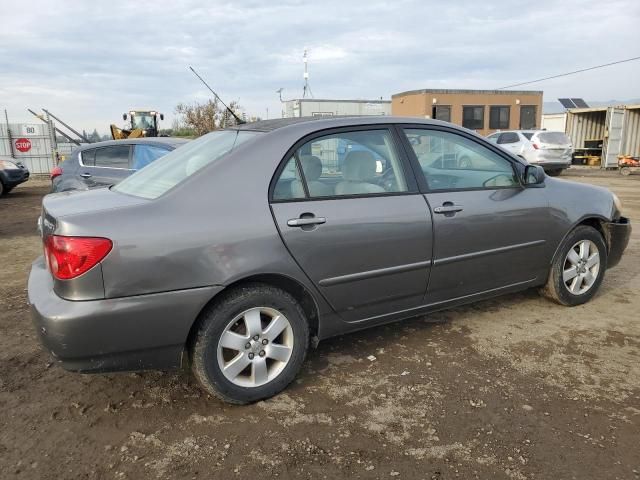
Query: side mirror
[(533, 175), (162, 116), (124, 117)]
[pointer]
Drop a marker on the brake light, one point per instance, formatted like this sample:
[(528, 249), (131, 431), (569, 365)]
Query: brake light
[(70, 257), (535, 146), (56, 172)]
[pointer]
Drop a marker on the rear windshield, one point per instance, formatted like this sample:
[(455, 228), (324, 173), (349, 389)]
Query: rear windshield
[(168, 171), (555, 138), (529, 135)]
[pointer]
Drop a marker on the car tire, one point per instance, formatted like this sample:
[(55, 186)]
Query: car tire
[(573, 280), (2, 189), (554, 173), (625, 171), (232, 316)]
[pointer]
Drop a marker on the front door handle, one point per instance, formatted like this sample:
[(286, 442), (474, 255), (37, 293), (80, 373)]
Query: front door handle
[(448, 207), (304, 221), (85, 175)]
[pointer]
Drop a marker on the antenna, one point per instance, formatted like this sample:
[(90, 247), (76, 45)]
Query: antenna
[(307, 88), (238, 119)]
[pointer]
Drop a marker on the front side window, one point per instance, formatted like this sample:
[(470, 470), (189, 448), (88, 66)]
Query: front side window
[(453, 162), (499, 118), (473, 117), (116, 156), (361, 162), (143, 155), (175, 167)]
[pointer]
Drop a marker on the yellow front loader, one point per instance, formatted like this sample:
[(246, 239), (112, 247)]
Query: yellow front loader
[(143, 123)]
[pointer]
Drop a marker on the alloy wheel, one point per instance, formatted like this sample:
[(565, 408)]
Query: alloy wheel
[(581, 267), (255, 347)]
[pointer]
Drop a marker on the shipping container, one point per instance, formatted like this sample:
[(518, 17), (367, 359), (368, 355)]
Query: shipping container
[(601, 126), (631, 132)]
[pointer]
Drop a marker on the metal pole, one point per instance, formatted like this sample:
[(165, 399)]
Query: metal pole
[(67, 126), (52, 139), (6, 117), (39, 117)]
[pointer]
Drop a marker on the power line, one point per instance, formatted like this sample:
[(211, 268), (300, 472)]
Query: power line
[(571, 73)]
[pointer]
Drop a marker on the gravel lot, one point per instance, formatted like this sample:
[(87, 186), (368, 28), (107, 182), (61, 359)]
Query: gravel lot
[(514, 388)]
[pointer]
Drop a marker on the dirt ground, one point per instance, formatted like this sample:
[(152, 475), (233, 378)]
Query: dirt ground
[(513, 388)]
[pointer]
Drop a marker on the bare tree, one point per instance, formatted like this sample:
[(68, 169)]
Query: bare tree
[(206, 117)]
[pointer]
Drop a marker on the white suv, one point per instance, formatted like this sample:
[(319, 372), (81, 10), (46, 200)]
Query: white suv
[(551, 150)]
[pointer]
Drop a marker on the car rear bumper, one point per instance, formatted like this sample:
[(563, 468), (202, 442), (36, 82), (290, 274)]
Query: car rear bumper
[(552, 165), (548, 160), (129, 333), (618, 233)]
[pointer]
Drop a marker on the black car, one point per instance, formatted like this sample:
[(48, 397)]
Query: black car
[(12, 173), (106, 163)]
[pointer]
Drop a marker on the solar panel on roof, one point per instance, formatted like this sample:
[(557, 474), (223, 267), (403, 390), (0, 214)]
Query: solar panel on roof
[(567, 103), (580, 103)]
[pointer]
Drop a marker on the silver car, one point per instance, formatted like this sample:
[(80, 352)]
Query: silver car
[(236, 252), (553, 151)]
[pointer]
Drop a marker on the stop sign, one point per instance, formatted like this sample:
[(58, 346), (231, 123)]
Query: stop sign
[(23, 144)]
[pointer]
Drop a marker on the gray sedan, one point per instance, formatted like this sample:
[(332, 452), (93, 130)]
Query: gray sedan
[(237, 251)]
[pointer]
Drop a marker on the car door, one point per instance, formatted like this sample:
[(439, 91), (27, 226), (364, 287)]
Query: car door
[(357, 226), (104, 166), (489, 231)]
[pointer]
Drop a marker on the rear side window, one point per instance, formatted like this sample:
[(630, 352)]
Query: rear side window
[(88, 157), (116, 156), (362, 162), (508, 137), (143, 155), (172, 169), (528, 135), (555, 138)]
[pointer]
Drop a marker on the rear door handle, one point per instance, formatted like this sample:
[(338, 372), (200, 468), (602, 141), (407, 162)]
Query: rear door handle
[(85, 175), (448, 208), (302, 222)]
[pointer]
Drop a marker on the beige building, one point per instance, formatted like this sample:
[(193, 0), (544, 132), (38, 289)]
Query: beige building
[(484, 111)]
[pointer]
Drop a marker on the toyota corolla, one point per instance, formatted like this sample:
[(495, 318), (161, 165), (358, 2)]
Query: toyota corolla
[(236, 252)]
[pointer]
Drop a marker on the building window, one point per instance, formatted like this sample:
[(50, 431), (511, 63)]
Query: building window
[(442, 112), (499, 118), (473, 117), (528, 117)]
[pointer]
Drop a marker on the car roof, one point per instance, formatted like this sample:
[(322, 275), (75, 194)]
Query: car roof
[(172, 141), (319, 123)]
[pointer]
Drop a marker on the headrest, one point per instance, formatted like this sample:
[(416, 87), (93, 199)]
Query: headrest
[(359, 166), (312, 167)]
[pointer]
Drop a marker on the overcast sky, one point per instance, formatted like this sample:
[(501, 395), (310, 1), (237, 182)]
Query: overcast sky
[(89, 62)]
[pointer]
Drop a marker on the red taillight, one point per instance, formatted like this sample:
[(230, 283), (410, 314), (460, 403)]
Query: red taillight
[(56, 172), (535, 146), (70, 257)]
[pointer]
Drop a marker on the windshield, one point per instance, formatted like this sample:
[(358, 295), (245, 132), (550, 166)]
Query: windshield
[(555, 138), (142, 121), (172, 169)]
